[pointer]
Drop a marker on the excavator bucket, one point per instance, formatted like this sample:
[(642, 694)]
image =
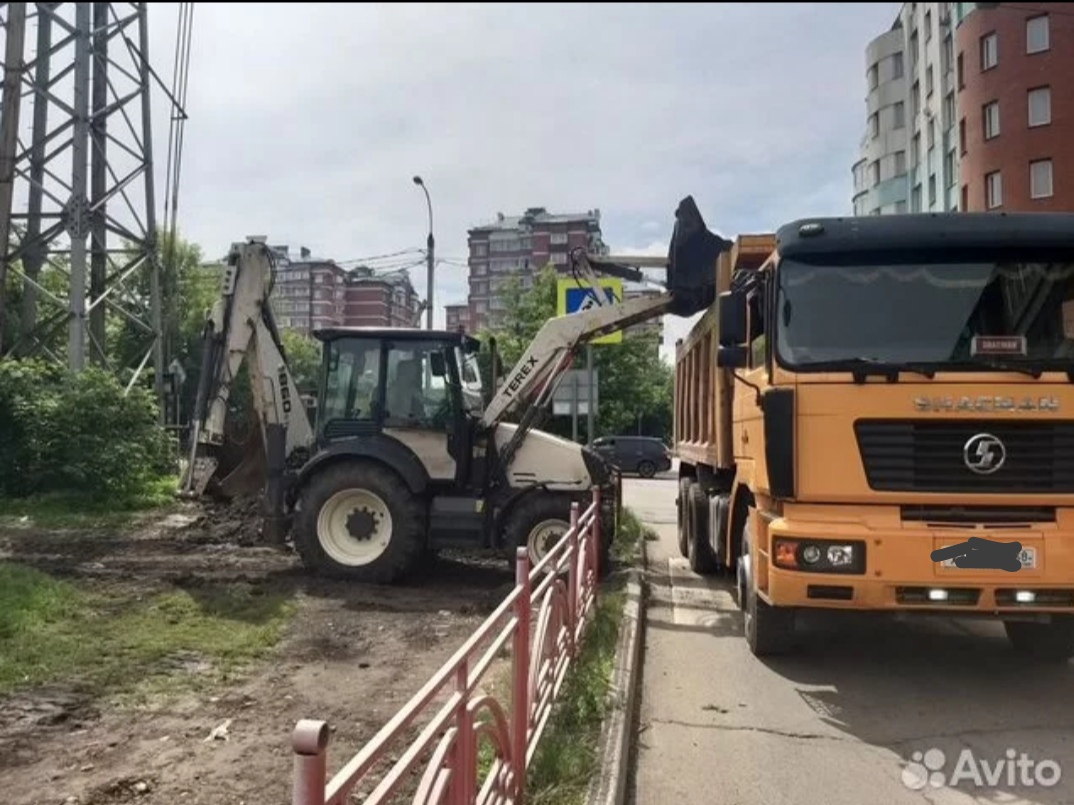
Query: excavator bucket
[(692, 258), (241, 463)]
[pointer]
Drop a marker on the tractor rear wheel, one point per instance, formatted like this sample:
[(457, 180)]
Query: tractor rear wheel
[(359, 521)]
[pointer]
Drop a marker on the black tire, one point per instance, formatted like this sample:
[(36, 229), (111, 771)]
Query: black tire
[(530, 512), (646, 469), (769, 630), (683, 524), (1048, 642), (405, 548), (702, 559)]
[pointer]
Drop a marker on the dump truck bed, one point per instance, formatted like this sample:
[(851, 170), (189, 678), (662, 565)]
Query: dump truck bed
[(703, 393)]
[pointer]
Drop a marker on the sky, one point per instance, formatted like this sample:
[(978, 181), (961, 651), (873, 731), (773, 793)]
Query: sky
[(306, 123)]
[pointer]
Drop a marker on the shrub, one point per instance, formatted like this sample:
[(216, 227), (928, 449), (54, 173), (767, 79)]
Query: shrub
[(81, 434)]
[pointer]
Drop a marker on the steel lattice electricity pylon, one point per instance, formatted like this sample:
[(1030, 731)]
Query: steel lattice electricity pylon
[(78, 218)]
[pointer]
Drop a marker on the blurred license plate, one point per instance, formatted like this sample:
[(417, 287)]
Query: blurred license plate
[(1028, 558)]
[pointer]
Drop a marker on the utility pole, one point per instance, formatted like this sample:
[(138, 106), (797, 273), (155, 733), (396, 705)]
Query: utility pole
[(430, 259), (589, 414)]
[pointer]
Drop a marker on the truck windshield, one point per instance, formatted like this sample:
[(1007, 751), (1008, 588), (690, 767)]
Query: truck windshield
[(952, 315)]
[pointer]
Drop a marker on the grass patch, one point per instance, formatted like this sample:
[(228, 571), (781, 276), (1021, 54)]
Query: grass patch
[(74, 510), (567, 754), (52, 630)]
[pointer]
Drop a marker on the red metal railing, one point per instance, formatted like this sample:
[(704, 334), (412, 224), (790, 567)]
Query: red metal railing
[(543, 619)]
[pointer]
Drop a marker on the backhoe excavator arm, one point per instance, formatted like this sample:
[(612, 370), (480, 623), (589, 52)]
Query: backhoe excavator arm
[(241, 326), (691, 282)]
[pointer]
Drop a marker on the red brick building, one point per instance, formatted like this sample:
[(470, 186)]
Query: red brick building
[(312, 293), (1015, 75), (519, 246)]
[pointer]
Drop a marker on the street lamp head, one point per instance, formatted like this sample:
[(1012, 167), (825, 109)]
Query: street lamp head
[(418, 181)]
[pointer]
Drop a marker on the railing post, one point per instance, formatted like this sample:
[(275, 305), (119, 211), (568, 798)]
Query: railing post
[(572, 581), (464, 781), (596, 541), (520, 690), (309, 741)]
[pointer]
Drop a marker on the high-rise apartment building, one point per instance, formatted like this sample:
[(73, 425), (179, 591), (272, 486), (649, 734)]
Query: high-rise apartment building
[(970, 106), (909, 156), (311, 293), (519, 246), (1015, 71)]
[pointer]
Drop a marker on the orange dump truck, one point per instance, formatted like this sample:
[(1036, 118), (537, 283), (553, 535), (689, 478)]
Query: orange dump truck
[(877, 413)]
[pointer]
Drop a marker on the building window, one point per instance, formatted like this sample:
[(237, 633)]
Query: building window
[(1040, 106), (873, 76), (947, 54), (1040, 178), (993, 190), (962, 136), (928, 26), (900, 115), (913, 47), (558, 238), (949, 109), (874, 173), (900, 207), (949, 161), (930, 134), (874, 125), (989, 51), (896, 65), (900, 163), (961, 73), (915, 99), (965, 200), (915, 198), (930, 85), (915, 151), (991, 120), (932, 189), (1037, 39)]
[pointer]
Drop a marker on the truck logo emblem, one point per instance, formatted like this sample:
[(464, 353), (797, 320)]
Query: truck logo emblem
[(984, 454)]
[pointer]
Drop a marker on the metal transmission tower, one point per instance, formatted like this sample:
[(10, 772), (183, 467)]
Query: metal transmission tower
[(78, 217)]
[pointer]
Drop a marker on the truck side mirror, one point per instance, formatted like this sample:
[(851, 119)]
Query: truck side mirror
[(732, 357), (732, 312), (438, 364)]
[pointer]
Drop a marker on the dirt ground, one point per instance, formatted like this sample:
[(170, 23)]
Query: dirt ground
[(352, 656)]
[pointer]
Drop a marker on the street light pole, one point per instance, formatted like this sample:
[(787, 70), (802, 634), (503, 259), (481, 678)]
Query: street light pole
[(430, 259)]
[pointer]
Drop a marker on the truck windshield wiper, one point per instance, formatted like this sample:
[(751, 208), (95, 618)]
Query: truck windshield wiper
[(862, 367), (1033, 370)]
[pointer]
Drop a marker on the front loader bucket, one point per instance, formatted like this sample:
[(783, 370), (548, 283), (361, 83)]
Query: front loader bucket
[(248, 478), (692, 257)]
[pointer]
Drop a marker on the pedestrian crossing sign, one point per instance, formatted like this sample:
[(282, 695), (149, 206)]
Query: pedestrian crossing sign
[(575, 296)]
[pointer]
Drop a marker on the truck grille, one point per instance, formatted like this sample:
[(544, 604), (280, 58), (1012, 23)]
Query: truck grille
[(922, 456)]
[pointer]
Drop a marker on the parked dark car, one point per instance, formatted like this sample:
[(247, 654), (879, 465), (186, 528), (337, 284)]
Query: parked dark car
[(644, 455)]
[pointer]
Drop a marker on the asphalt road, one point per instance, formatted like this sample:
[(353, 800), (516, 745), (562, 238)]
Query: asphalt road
[(842, 720)]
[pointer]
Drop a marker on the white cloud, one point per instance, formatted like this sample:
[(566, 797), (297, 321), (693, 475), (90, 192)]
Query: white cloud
[(308, 125)]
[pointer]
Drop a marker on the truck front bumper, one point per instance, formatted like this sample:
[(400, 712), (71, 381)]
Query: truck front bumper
[(877, 562)]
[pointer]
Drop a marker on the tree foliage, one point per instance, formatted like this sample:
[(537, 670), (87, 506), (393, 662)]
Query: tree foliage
[(81, 434), (635, 386)]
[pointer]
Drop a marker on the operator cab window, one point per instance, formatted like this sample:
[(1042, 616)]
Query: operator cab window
[(352, 380), (417, 392)]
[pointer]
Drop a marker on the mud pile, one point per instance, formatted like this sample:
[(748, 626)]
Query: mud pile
[(235, 522)]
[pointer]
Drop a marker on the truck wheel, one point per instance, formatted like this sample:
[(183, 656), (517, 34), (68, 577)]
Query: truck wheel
[(702, 559), (680, 505), (359, 521), (646, 469), (769, 630), (1050, 642)]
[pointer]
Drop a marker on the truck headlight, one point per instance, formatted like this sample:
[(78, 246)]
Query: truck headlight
[(818, 555)]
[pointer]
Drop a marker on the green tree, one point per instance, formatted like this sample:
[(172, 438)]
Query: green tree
[(303, 359), (635, 385)]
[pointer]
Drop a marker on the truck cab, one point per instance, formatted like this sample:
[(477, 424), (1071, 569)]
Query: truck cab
[(886, 411)]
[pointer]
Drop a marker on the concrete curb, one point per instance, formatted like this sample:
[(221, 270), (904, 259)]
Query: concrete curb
[(610, 785)]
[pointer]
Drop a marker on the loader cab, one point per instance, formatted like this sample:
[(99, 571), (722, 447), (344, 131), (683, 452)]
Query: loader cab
[(421, 388)]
